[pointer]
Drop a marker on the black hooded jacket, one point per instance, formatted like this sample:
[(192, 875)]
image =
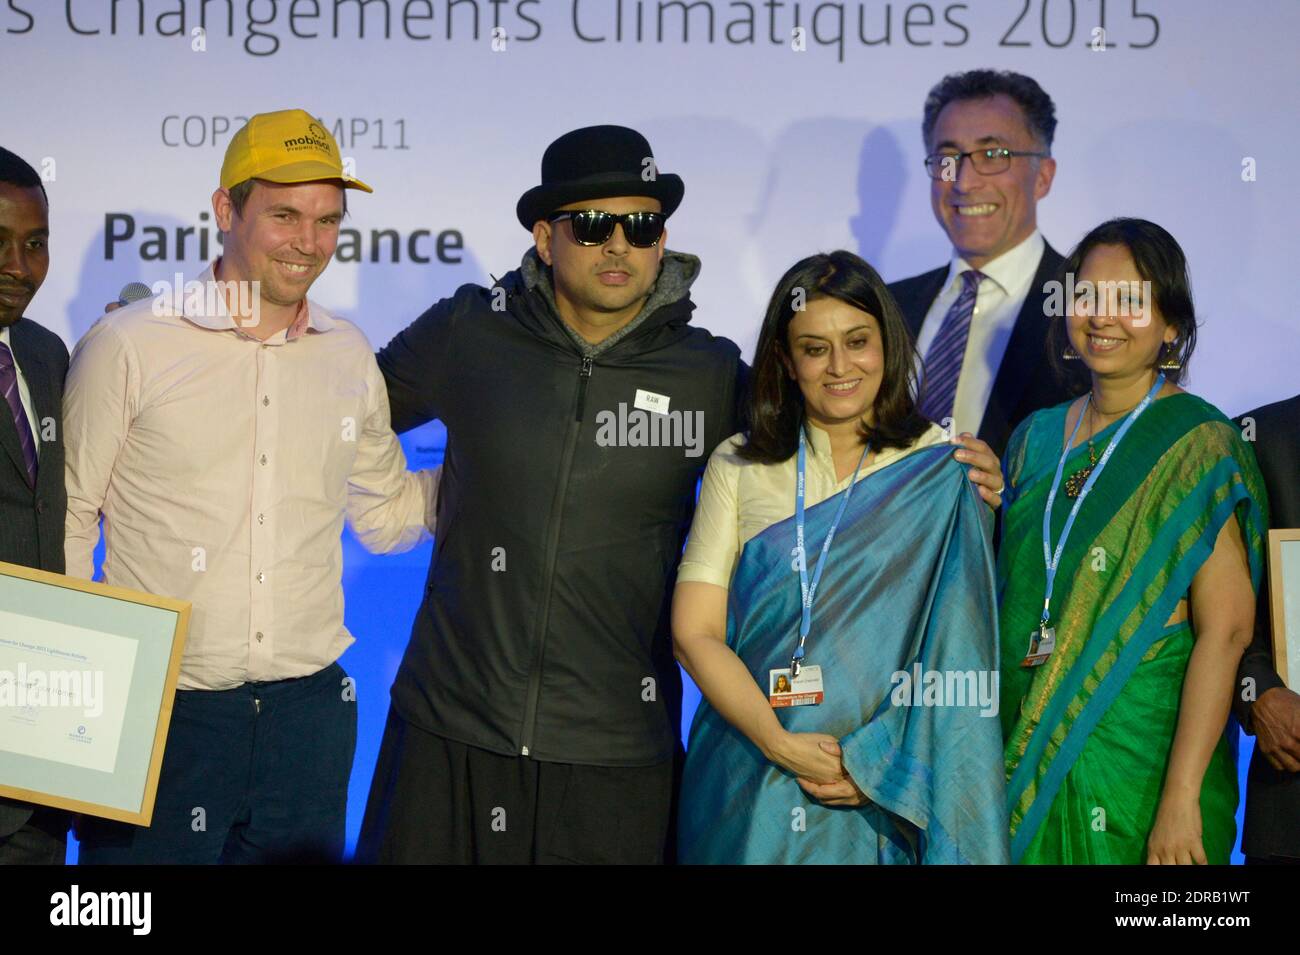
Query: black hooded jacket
[(544, 629)]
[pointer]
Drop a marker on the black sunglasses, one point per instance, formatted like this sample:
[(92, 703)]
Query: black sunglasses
[(593, 227)]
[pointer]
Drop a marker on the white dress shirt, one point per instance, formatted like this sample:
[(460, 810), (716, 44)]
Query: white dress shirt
[(224, 466), (1001, 295), (24, 395)]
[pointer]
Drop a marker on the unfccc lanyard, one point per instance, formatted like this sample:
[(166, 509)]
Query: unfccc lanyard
[(1053, 560), (807, 591)]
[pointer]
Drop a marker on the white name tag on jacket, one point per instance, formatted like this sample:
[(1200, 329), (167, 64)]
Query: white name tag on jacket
[(649, 401)]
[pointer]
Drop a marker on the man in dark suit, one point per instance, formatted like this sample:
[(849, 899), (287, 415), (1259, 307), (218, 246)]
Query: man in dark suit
[(979, 321), (1265, 705), (33, 504)]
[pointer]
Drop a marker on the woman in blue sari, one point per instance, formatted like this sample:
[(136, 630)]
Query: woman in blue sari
[(835, 605)]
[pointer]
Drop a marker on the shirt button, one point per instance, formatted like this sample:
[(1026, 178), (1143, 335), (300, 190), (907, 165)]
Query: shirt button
[(261, 518), (263, 459), (261, 577), (266, 400), (259, 636)]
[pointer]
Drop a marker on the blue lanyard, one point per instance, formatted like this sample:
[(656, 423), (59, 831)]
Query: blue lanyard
[(1053, 560), (807, 591)]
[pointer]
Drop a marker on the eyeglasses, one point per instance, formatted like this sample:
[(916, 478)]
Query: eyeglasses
[(987, 162), (593, 227)]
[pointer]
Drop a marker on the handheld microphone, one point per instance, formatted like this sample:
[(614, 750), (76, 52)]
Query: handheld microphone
[(133, 292)]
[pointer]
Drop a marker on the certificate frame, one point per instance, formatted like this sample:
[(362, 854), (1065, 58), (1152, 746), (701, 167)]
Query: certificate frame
[(1284, 570), (124, 785)]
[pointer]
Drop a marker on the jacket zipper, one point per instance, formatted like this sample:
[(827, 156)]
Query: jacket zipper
[(584, 374), (552, 552)]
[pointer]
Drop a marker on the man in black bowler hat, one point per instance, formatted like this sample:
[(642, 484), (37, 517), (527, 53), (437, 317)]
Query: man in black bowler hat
[(535, 714)]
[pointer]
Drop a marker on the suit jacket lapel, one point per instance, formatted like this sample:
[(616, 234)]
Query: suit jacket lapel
[(1279, 459), (1026, 351), (37, 377), (8, 431), (915, 310)]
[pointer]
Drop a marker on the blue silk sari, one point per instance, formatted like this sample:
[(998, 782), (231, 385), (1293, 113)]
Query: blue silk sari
[(908, 588)]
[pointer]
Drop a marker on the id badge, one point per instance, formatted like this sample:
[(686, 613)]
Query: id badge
[(1041, 644), (803, 690)]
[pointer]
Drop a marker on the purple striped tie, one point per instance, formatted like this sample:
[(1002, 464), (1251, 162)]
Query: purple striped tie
[(943, 360), (9, 385)]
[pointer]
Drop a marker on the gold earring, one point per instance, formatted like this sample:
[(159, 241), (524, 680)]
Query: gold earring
[(1069, 354), (1169, 360)]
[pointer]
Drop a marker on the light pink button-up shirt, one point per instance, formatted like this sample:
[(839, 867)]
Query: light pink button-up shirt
[(224, 466)]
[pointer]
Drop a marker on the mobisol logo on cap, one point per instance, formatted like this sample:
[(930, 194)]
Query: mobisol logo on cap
[(316, 138)]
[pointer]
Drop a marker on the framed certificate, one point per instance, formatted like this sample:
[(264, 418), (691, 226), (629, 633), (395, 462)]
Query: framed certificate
[(87, 678), (1284, 597)]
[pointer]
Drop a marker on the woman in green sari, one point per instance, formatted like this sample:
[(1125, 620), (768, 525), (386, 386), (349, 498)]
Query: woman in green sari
[(1118, 671)]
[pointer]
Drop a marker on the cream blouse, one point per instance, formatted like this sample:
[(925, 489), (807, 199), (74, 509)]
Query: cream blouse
[(740, 499)]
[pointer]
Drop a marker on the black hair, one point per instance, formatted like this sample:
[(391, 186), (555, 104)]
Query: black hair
[(1039, 110), (19, 172), (776, 405)]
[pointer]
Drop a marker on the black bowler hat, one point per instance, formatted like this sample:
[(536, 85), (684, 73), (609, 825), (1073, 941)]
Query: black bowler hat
[(597, 162)]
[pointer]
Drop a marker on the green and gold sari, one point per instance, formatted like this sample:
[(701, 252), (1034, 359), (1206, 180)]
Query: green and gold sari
[(1088, 733)]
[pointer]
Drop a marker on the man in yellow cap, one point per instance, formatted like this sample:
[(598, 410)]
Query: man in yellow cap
[(224, 432)]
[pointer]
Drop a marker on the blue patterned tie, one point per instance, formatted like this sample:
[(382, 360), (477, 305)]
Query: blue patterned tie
[(943, 360), (9, 385)]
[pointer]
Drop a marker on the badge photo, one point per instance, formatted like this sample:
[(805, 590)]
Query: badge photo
[(1041, 644), (802, 690)]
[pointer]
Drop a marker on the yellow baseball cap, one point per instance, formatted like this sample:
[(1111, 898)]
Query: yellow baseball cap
[(287, 146)]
